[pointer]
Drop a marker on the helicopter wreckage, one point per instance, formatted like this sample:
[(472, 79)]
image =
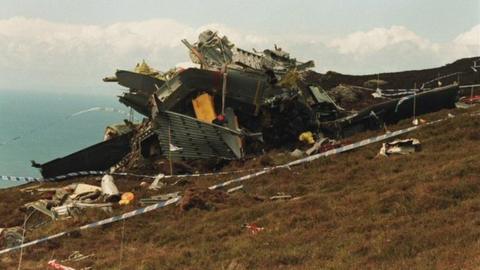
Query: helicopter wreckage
[(236, 104)]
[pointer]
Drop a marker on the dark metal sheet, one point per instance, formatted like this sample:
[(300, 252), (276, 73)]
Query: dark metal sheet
[(100, 156), (196, 139), (139, 82), (392, 111)]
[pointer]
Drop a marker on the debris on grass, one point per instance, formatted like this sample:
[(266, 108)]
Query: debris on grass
[(401, 147), (53, 264), (76, 256), (110, 189), (204, 199), (159, 198), (253, 228), (126, 198), (10, 237)]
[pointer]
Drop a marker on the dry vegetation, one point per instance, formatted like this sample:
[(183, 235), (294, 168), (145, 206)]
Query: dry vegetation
[(355, 211)]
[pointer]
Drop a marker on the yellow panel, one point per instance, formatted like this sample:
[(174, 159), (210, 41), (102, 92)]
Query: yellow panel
[(204, 108)]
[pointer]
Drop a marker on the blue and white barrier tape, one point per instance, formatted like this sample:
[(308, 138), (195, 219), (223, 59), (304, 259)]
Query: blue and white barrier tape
[(60, 177), (93, 173), (96, 224)]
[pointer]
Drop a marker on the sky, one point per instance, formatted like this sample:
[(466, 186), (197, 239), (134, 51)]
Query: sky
[(69, 46)]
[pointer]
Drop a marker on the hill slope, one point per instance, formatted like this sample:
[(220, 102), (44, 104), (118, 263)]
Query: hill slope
[(403, 79), (354, 211)]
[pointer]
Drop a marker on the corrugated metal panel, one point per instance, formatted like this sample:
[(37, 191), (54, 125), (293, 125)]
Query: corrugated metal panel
[(196, 139)]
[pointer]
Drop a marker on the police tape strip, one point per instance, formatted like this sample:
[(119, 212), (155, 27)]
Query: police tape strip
[(96, 224), (93, 173), (223, 184)]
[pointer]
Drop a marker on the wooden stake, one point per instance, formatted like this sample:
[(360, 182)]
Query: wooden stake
[(121, 245), (169, 150)]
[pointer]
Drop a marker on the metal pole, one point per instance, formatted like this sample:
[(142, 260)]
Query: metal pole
[(414, 100), (224, 88), (378, 80)]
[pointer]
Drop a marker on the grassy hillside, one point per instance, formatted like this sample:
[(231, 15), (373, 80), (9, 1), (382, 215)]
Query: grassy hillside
[(403, 79), (353, 211)]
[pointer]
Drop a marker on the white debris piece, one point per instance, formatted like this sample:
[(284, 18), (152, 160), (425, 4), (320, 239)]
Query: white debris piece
[(61, 211), (156, 184), (173, 148), (402, 147), (297, 153), (82, 188), (108, 186)]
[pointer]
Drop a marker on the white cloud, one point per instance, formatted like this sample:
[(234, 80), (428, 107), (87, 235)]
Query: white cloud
[(60, 55), (40, 54), (27, 41), (378, 39), (396, 48), (468, 43), (470, 38)]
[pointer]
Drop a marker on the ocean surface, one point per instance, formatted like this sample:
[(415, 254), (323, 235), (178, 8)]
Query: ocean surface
[(42, 126)]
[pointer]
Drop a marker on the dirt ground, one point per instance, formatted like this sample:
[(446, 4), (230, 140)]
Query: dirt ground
[(352, 211)]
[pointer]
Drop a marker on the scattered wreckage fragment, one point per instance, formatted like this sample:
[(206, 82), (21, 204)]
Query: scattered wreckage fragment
[(157, 184), (401, 147), (471, 100), (70, 200), (214, 52), (10, 237), (253, 228), (76, 256), (319, 146), (142, 83), (159, 198), (53, 264)]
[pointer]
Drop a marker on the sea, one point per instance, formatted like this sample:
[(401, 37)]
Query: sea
[(41, 126)]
